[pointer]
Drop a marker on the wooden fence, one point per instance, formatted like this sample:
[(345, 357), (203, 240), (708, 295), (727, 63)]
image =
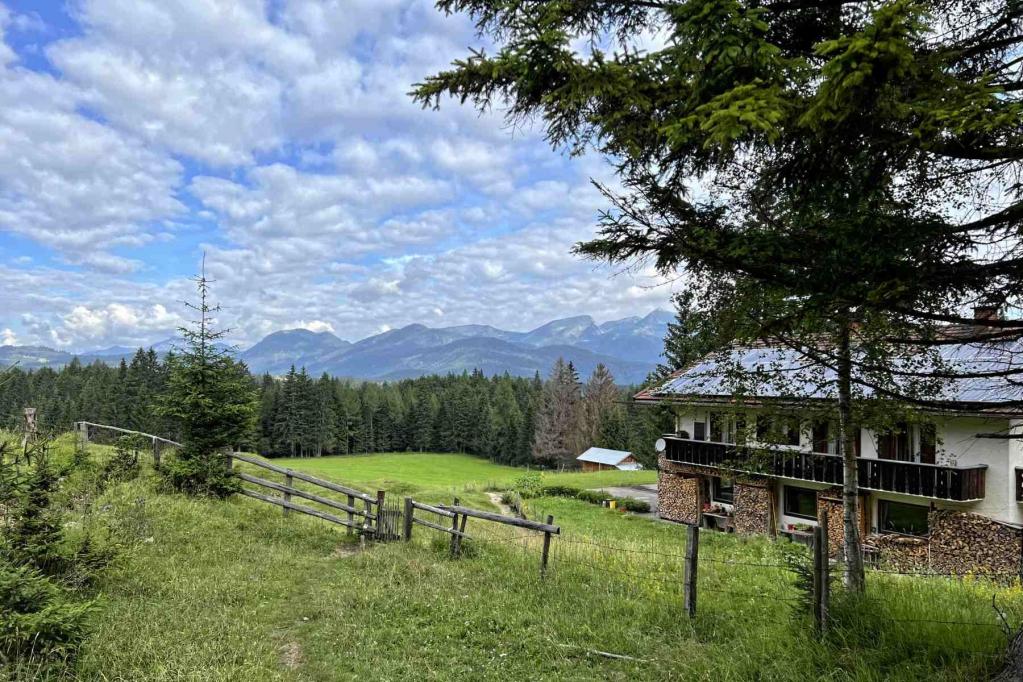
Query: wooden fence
[(460, 515), (84, 431), (368, 519), (370, 516)]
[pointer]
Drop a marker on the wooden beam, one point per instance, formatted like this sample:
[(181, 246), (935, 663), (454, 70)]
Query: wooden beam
[(508, 520), (326, 501), (435, 526), (129, 431), (297, 507), (329, 485), (436, 510)]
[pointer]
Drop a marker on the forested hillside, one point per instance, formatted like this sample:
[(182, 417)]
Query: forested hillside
[(509, 419)]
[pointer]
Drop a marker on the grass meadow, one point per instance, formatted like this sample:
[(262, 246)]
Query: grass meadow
[(235, 590), (405, 472)]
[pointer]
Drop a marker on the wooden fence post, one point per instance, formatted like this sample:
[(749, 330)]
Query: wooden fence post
[(409, 511), (818, 576), (692, 557), (351, 516), (366, 527), (546, 552), (821, 579), (461, 534), (83, 435), (289, 482), (454, 531), (156, 453), (380, 514)]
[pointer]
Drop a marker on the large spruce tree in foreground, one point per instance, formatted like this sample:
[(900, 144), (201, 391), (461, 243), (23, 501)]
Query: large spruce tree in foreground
[(211, 398), (840, 176)]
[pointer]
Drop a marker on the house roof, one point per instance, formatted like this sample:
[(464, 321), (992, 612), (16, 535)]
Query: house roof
[(604, 456), (783, 373)]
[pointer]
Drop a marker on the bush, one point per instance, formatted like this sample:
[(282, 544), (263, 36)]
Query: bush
[(593, 496), (38, 618), (124, 465), (631, 504), (529, 484), (561, 491)]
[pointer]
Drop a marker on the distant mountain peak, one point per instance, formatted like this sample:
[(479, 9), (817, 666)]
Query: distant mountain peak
[(630, 347)]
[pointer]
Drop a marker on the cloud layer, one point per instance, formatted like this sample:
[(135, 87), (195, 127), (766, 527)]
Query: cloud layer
[(278, 138)]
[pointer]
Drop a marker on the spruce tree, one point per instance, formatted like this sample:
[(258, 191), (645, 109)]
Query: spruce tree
[(212, 401)]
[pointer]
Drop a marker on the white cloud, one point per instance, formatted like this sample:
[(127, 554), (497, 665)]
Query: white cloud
[(313, 326), (8, 338), (279, 137)]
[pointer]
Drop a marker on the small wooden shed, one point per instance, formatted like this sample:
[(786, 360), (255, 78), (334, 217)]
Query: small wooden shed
[(598, 459)]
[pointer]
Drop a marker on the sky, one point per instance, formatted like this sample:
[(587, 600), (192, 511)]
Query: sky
[(279, 139)]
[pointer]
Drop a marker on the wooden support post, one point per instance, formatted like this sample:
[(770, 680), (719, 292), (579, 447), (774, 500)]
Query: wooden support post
[(454, 532), (380, 515), (409, 512), (156, 453), (83, 435), (546, 552), (460, 535), (818, 578), (825, 576), (692, 558), (366, 527), (289, 482), (351, 516)]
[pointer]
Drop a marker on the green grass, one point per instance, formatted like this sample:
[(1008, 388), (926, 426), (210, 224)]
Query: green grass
[(413, 472), (235, 590)]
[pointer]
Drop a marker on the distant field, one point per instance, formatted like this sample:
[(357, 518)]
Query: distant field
[(406, 472)]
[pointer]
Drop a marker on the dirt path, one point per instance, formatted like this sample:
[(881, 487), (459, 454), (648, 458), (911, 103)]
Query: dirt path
[(505, 509)]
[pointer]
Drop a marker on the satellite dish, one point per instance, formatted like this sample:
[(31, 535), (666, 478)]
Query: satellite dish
[(660, 445)]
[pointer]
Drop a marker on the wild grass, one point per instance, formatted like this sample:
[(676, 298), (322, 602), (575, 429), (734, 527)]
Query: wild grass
[(236, 590)]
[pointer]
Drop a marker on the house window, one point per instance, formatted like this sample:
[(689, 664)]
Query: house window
[(928, 443), (779, 431), (899, 517), (722, 490), (820, 435), (895, 444), (717, 430), (801, 502), (699, 431)]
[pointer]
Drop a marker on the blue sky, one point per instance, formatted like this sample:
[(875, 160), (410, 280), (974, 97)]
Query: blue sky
[(277, 137)]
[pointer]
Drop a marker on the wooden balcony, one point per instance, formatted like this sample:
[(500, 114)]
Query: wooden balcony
[(959, 484)]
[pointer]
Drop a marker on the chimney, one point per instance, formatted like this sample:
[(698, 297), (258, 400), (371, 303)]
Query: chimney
[(987, 311)]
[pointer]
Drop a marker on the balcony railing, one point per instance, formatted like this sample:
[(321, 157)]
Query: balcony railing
[(960, 484)]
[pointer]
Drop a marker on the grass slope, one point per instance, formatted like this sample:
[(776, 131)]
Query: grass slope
[(235, 590)]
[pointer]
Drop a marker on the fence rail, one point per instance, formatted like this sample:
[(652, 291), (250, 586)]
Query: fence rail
[(460, 515), (372, 521), (82, 428)]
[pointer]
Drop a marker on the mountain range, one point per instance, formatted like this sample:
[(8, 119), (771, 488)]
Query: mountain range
[(629, 347)]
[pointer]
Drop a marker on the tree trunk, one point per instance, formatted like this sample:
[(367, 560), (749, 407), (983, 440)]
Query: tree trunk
[(854, 578)]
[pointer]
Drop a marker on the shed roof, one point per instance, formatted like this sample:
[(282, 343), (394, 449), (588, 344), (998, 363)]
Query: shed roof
[(604, 456)]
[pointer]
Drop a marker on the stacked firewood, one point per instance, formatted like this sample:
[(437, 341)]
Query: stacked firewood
[(962, 542), (900, 552), (678, 497), (752, 509)]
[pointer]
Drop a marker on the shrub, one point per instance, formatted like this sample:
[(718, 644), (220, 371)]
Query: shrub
[(631, 504), (593, 496), (561, 491), (529, 484), (38, 617), (124, 465)]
